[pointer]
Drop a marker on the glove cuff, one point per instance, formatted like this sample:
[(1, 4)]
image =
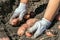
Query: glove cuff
[(45, 21), (23, 5)]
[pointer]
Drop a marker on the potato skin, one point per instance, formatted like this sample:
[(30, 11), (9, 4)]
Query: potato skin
[(49, 33), (28, 34), (27, 16), (4, 38), (31, 21), (58, 26), (14, 22), (22, 29)]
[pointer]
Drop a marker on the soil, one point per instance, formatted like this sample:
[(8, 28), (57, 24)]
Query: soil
[(7, 8)]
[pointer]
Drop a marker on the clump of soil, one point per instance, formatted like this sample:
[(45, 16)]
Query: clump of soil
[(7, 8)]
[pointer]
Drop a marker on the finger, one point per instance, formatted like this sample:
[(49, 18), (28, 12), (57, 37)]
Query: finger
[(39, 31), (33, 28)]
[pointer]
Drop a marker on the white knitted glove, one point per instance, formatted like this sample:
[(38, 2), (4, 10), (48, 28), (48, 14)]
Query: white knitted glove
[(39, 27), (20, 11)]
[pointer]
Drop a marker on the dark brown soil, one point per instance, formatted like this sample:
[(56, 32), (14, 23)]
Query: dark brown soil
[(38, 7)]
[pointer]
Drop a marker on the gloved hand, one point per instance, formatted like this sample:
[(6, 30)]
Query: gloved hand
[(39, 27), (20, 11)]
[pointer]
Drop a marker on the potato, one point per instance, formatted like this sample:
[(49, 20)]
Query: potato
[(49, 33), (7, 38), (28, 34), (4, 38), (22, 29), (14, 22), (27, 16), (31, 21)]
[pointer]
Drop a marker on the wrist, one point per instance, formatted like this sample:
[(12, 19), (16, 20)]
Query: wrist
[(22, 5), (24, 1)]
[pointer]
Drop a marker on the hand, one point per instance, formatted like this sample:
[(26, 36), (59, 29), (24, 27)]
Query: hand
[(39, 27), (20, 11)]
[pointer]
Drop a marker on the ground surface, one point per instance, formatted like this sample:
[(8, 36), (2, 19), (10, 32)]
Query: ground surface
[(6, 10)]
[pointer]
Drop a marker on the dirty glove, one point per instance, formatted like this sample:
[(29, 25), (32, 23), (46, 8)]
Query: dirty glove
[(39, 27), (20, 11)]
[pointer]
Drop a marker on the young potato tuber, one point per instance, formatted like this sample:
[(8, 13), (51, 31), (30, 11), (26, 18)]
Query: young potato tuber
[(58, 26), (27, 16), (4, 38), (22, 29), (31, 21), (28, 34), (14, 22), (30, 15), (50, 33)]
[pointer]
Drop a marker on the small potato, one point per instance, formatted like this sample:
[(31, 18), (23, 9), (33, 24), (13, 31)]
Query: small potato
[(58, 26), (22, 29), (31, 21), (27, 16), (49, 33), (28, 34), (14, 22), (5, 38)]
